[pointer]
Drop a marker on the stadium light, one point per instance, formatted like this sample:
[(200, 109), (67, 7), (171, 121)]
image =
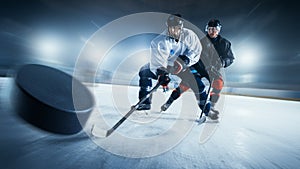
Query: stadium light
[(249, 55), (48, 46)]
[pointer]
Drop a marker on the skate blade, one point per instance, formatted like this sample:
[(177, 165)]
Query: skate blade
[(212, 121)]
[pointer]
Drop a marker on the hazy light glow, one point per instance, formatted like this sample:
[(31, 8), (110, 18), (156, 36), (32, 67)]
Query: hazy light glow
[(249, 55), (48, 46)]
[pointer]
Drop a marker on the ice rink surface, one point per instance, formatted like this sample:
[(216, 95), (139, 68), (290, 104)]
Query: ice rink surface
[(252, 133)]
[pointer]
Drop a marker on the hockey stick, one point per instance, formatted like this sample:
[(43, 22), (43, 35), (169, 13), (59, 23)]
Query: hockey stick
[(105, 133)]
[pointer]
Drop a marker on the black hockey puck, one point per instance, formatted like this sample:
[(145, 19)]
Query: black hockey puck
[(45, 97)]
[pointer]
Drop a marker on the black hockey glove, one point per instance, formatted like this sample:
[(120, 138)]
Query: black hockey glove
[(226, 62), (163, 76)]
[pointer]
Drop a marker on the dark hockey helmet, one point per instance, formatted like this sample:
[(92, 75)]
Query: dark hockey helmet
[(175, 20), (213, 23)]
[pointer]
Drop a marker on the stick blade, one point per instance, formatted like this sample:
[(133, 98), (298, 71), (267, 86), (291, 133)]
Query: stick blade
[(98, 132), (201, 120)]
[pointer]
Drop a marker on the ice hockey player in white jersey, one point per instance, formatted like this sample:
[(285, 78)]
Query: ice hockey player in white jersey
[(173, 51)]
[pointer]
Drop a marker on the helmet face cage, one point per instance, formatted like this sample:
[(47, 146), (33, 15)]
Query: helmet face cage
[(175, 20), (213, 23)]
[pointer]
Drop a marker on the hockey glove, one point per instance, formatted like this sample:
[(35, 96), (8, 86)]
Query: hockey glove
[(163, 77), (226, 62)]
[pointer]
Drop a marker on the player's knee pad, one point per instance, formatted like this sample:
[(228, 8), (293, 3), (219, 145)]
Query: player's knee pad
[(218, 84), (145, 83)]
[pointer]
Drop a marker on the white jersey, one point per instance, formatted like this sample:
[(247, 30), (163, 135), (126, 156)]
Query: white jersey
[(165, 50)]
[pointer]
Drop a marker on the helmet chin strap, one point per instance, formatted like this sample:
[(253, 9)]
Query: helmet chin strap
[(176, 38)]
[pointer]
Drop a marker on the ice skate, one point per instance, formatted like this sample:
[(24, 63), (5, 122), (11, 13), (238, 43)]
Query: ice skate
[(165, 106), (144, 107), (213, 114)]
